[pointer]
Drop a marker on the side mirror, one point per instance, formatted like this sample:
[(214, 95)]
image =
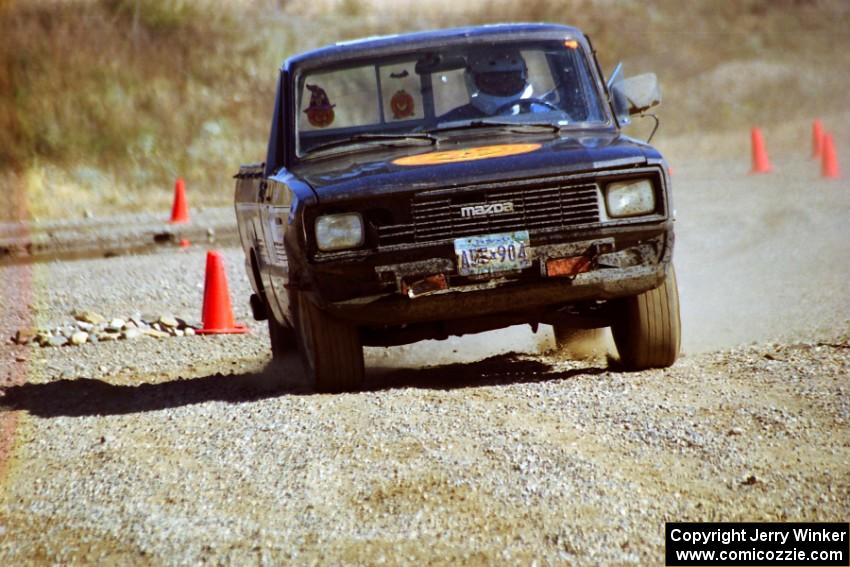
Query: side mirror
[(641, 92), (633, 95)]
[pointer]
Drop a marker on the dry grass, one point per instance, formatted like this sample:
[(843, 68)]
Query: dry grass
[(104, 102)]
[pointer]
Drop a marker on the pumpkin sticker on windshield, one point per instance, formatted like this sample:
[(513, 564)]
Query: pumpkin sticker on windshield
[(469, 154), (320, 112), (401, 104)]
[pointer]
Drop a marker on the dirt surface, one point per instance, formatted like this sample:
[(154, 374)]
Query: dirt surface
[(471, 450)]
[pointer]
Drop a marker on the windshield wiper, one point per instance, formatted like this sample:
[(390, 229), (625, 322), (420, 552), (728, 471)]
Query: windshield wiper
[(515, 127), (385, 140)]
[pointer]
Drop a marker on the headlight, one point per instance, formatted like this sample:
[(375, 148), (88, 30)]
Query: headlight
[(629, 198), (338, 232)]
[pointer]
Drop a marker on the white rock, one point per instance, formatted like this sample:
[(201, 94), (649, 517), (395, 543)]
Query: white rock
[(131, 334), (79, 338), (87, 316), (155, 333), (57, 341)]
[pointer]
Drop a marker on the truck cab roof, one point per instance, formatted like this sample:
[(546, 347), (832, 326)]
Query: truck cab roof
[(377, 45)]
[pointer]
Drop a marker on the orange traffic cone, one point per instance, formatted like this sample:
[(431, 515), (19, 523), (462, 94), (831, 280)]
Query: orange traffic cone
[(829, 163), (218, 314), (180, 210), (761, 164), (817, 139)]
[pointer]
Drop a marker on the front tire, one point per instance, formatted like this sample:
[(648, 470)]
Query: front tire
[(282, 338), (647, 329), (330, 348)]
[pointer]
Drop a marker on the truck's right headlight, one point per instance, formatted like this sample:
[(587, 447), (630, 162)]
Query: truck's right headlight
[(629, 198), (339, 232)]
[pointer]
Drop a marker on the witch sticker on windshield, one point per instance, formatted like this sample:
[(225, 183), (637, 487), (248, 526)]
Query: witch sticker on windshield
[(320, 112)]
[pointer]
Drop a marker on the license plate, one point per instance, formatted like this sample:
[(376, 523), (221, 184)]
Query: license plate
[(492, 253)]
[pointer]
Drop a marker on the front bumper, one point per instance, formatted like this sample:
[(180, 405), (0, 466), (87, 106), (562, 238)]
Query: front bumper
[(499, 297), (377, 292)]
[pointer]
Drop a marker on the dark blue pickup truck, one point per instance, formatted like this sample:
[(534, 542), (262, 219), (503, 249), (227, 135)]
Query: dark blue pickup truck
[(456, 181)]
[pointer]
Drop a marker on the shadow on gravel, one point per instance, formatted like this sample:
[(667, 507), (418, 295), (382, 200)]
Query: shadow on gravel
[(86, 396), (498, 370)]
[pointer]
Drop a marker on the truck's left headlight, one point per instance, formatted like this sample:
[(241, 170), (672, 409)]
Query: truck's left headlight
[(339, 232), (629, 198)]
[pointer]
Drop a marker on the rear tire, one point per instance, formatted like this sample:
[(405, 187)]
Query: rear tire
[(647, 330), (330, 348)]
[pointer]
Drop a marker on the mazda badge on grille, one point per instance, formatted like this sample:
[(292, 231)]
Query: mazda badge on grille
[(487, 209)]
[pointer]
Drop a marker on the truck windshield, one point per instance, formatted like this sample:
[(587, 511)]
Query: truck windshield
[(544, 82)]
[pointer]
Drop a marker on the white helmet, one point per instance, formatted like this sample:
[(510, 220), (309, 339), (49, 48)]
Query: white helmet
[(496, 79)]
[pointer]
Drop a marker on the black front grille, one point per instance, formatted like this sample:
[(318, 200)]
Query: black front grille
[(437, 215)]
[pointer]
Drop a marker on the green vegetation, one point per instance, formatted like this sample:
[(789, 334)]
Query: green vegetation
[(104, 102)]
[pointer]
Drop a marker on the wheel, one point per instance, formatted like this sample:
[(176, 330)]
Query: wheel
[(282, 338), (647, 329), (579, 344), (330, 348)]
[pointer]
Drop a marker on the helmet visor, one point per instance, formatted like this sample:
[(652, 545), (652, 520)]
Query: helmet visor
[(500, 83)]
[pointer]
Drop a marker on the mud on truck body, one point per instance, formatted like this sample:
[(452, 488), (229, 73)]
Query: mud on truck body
[(457, 181)]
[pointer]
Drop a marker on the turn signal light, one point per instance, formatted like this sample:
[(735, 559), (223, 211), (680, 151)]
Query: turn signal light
[(565, 267), (425, 286)]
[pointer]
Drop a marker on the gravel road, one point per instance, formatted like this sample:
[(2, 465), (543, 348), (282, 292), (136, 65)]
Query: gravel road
[(104, 237), (484, 449)]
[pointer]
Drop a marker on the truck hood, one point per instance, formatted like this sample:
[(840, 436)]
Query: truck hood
[(462, 163)]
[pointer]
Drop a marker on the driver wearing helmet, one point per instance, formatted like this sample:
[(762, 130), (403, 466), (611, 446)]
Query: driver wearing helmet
[(494, 81)]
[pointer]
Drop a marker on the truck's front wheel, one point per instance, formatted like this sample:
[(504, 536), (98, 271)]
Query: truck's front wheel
[(330, 348), (282, 338), (647, 328)]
